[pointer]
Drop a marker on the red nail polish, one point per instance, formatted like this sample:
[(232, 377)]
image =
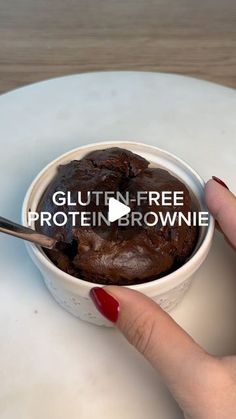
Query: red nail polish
[(105, 303), (216, 179)]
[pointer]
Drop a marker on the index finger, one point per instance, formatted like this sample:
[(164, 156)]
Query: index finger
[(222, 205)]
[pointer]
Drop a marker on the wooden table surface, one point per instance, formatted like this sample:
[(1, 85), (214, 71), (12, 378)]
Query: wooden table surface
[(40, 39)]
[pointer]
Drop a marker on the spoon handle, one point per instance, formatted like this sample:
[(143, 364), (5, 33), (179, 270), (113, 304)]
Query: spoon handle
[(25, 233)]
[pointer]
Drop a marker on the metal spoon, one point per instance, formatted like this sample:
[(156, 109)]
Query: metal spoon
[(26, 233)]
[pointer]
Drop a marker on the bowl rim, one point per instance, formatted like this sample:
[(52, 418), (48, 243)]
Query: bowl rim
[(180, 272)]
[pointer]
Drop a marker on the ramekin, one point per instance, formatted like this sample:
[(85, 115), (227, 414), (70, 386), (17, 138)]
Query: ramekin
[(73, 293)]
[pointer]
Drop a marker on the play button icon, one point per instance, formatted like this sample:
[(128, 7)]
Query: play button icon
[(116, 210)]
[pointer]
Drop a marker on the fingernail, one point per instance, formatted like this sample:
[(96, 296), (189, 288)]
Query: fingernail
[(107, 305), (216, 179)]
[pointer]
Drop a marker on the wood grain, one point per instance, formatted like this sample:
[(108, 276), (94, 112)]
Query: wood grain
[(40, 39)]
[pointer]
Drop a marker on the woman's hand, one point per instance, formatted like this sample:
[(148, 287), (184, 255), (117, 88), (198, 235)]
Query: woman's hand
[(202, 384)]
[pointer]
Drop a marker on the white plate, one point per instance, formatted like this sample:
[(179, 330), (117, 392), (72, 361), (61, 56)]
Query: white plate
[(51, 364)]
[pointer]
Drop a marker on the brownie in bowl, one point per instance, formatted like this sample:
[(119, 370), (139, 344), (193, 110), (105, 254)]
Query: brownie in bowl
[(117, 254)]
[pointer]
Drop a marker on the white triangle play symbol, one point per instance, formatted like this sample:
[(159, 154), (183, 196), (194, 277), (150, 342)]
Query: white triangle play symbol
[(116, 210)]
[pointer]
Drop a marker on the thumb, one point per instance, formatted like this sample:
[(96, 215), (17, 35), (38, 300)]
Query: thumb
[(157, 336)]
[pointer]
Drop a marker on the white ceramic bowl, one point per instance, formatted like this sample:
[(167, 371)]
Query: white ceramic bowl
[(73, 293)]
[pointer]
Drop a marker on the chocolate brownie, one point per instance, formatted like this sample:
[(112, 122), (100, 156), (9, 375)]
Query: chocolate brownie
[(116, 254)]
